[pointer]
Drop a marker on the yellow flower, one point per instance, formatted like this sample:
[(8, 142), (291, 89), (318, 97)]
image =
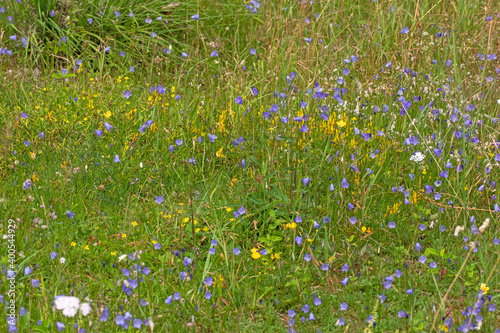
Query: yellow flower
[(292, 225), (134, 223), (444, 328), (35, 178), (113, 253), (86, 247), (228, 209), (255, 254), (124, 235), (154, 242), (484, 288), (73, 243), (341, 123), (219, 153), (197, 230), (107, 114), (185, 220)]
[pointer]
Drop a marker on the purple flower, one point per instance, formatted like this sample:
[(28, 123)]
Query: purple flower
[(343, 306), (108, 126), (422, 259), (117, 159), (35, 283), (187, 261), (405, 30), (104, 315), (401, 314), (410, 291), (70, 214), (433, 265), (212, 251), (98, 133), (214, 53), (177, 296), (208, 295), (60, 326), (353, 220), (137, 323), (340, 322), (238, 100), (89, 20), (345, 267), (307, 257), (53, 255), (344, 183), (195, 17), (157, 246), (392, 225), (127, 94), (298, 240), (344, 281), (291, 313), (236, 251)]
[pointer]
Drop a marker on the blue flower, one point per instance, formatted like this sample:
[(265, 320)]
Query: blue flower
[(159, 200), (195, 17), (104, 315), (405, 30)]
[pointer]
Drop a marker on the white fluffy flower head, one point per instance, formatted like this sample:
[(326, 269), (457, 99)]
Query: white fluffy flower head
[(68, 304), (417, 157)]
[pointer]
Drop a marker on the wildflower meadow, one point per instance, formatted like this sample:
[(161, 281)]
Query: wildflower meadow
[(249, 166)]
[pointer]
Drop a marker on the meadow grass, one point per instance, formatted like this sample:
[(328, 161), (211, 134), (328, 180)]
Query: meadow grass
[(273, 166)]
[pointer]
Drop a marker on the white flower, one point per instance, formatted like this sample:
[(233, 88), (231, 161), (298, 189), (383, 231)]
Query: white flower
[(85, 309), (458, 230), (123, 256), (62, 260), (485, 225), (498, 101), (68, 304), (417, 157)]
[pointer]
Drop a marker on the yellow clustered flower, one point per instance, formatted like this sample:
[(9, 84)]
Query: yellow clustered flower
[(255, 254), (86, 247), (134, 223), (292, 225), (73, 244), (484, 288), (113, 253), (124, 235)]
